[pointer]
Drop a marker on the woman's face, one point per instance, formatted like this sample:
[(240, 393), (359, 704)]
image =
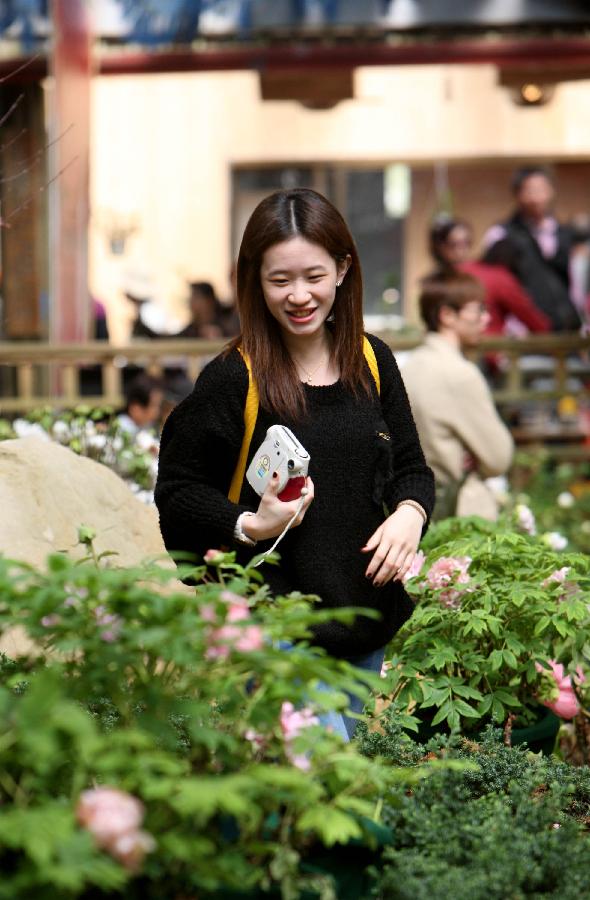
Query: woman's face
[(298, 281), (456, 249)]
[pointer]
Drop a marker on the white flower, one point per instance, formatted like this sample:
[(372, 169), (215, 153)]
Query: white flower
[(525, 519), (97, 441), (117, 444), (24, 429), (554, 540), (499, 487), (61, 431), (566, 500), (126, 460), (146, 442), (89, 428)]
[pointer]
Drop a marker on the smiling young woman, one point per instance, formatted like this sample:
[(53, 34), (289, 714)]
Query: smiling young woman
[(300, 301)]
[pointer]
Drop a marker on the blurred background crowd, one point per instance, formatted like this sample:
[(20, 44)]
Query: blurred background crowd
[(138, 137)]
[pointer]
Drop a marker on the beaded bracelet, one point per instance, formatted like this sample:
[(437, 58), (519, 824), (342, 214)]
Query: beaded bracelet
[(239, 534), (415, 505)]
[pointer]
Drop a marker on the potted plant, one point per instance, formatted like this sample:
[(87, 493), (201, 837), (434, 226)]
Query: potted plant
[(498, 633)]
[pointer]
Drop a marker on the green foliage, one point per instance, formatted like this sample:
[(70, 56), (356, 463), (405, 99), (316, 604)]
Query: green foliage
[(508, 826), (132, 685), (474, 661), (558, 494)]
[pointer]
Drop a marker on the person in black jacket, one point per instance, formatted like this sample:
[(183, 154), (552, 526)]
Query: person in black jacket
[(538, 247), (300, 301)]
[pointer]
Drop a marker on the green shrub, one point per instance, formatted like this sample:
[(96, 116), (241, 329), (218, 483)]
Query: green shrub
[(508, 827)]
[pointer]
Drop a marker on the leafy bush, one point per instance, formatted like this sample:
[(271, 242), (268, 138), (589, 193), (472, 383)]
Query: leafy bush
[(493, 608), (185, 701)]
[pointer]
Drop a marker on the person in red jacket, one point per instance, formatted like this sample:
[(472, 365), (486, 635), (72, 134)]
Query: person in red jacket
[(451, 242)]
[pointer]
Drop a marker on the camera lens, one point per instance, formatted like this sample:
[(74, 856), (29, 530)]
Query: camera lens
[(291, 465)]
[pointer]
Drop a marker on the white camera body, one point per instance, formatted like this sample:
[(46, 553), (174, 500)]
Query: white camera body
[(280, 452)]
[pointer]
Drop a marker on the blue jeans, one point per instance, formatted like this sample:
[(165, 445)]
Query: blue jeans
[(339, 723)]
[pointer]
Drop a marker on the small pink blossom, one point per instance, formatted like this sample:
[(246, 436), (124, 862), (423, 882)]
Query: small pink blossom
[(111, 624), (293, 722), (213, 556), (416, 566), (50, 620), (564, 702), (525, 519), (559, 576), (113, 817), (245, 638), (449, 570), (257, 740)]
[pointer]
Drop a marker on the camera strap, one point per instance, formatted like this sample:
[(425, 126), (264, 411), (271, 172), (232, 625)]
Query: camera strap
[(251, 414)]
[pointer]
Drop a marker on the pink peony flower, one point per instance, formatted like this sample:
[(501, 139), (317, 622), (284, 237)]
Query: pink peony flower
[(213, 556), (416, 566), (564, 703), (113, 818), (449, 570), (293, 722), (111, 624), (232, 636), (559, 576), (525, 519)]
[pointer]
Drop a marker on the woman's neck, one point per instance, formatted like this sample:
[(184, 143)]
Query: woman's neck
[(309, 347)]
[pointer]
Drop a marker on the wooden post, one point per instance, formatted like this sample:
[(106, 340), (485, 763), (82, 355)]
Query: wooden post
[(69, 304)]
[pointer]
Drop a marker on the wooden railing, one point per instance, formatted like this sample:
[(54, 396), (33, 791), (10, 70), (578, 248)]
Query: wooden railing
[(35, 374)]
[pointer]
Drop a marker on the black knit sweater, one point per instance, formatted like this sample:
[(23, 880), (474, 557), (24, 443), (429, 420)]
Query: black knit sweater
[(355, 468)]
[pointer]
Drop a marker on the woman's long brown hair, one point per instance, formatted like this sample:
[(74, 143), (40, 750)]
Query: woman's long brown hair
[(284, 215)]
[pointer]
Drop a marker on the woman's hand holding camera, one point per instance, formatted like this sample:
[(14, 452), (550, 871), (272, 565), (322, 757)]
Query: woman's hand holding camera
[(395, 543), (273, 514)]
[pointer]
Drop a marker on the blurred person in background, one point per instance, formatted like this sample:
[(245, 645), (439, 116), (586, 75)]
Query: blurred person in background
[(462, 435), (541, 247), (143, 403), (227, 314), (204, 310), (451, 244)]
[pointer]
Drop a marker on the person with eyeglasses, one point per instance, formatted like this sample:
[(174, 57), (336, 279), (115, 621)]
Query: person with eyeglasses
[(464, 439)]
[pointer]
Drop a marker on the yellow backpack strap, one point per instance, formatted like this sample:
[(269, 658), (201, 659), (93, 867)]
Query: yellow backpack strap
[(250, 416), (372, 363)]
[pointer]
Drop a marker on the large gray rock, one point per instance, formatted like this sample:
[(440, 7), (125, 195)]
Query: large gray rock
[(47, 492)]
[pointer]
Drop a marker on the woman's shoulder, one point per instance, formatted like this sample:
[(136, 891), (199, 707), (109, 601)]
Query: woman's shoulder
[(221, 387), (383, 353), (227, 370)]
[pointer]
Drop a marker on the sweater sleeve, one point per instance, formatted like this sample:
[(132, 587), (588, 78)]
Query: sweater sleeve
[(411, 478), (200, 444), (477, 424)]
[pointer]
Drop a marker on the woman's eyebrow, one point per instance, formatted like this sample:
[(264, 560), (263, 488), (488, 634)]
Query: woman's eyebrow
[(273, 272)]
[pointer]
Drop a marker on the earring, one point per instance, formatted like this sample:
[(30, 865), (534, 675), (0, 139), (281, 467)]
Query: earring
[(338, 283)]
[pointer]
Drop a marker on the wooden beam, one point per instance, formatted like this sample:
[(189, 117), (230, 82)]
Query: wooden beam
[(69, 317)]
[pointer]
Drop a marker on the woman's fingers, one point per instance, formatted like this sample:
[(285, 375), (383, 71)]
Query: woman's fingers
[(389, 563)]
